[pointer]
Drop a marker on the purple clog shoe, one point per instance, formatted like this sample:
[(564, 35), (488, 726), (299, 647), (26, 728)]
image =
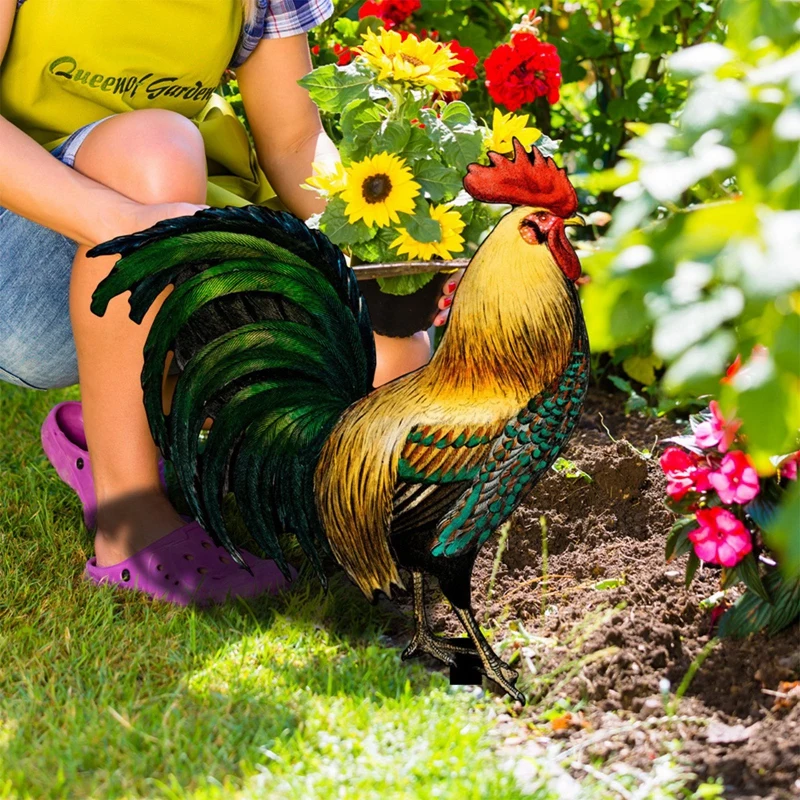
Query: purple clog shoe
[(185, 567), (198, 570)]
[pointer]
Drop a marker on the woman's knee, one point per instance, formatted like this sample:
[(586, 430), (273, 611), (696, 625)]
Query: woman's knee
[(151, 156)]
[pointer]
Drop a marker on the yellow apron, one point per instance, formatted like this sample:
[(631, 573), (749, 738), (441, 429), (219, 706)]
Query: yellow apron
[(72, 62)]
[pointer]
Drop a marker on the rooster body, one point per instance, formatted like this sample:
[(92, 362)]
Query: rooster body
[(274, 343)]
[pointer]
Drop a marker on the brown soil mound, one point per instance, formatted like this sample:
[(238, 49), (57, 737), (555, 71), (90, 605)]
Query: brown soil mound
[(621, 616)]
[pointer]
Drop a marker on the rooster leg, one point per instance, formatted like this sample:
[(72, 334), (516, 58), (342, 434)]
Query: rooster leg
[(494, 667), (424, 639)]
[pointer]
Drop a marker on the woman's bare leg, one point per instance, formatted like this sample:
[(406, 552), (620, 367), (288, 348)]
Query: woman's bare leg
[(152, 157), (398, 356)]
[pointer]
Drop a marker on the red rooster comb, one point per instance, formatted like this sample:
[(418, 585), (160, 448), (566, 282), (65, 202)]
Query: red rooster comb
[(530, 179)]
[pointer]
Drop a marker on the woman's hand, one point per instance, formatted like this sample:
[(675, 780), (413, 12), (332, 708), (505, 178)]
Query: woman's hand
[(446, 300), (132, 217)]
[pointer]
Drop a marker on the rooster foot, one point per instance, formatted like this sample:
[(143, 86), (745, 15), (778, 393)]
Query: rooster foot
[(509, 673), (506, 678), (425, 641), (493, 666)]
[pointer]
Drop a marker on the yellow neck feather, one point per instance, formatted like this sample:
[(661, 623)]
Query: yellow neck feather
[(512, 319)]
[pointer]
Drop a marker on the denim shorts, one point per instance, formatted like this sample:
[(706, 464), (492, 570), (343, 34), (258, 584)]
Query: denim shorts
[(37, 348)]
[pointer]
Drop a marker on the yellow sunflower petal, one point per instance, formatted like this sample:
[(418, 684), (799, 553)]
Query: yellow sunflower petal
[(507, 126), (419, 63), (327, 178)]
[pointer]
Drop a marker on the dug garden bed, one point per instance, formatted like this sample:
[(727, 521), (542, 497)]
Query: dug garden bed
[(601, 623)]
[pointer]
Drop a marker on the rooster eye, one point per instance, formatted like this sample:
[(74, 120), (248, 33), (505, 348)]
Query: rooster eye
[(542, 215)]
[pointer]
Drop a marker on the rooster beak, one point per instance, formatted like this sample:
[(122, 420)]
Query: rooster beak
[(576, 220)]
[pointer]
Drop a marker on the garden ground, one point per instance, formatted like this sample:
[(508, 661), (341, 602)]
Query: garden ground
[(107, 694), (621, 620)]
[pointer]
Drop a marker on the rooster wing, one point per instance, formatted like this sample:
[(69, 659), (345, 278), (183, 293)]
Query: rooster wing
[(460, 485)]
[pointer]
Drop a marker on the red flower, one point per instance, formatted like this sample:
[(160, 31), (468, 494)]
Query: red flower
[(519, 72), (716, 431), (685, 473), (721, 538), (391, 12), (315, 49), (344, 53), (730, 373), (468, 60), (736, 481)]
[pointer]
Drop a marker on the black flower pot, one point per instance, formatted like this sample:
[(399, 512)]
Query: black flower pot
[(400, 316)]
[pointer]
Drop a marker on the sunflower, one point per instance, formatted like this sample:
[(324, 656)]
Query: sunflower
[(450, 241), (507, 126), (378, 188), (329, 179), (409, 60)]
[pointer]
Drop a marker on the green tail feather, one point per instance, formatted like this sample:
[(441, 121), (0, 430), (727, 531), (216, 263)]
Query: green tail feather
[(273, 338), (243, 354)]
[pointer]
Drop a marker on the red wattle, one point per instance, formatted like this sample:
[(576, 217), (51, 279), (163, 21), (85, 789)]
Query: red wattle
[(563, 251)]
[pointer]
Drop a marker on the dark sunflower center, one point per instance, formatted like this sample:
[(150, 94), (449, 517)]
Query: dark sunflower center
[(412, 60), (376, 188)]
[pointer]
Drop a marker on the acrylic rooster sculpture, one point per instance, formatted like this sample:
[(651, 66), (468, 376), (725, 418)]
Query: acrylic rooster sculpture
[(274, 342)]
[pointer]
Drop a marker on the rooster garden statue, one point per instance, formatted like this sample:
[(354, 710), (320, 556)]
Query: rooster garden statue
[(269, 328)]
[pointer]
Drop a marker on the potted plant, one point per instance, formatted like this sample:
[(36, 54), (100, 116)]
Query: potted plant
[(396, 202)]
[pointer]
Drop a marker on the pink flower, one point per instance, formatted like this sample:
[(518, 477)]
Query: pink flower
[(717, 431), (721, 537), (736, 480), (787, 468), (685, 472)]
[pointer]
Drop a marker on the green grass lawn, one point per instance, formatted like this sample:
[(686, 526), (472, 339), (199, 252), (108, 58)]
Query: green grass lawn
[(109, 694)]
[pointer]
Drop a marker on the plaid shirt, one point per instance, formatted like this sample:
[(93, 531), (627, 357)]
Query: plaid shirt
[(276, 19)]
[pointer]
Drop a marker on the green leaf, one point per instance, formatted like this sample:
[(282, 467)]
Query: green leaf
[(748, 574), (691, 568), (569, 469), (360, 121), (480, 224), (379, 249), (763, 507), (678, 538), (609, 583), (437, 182), (622, 108), (751, 614), (621, 384), (405, 284), (456, 115), (332, 87), (679, 329), (420, 225), (391, 137), (461, 144), (700, 366), (698, 60), (766, 407), (547, 146), (347, 28), (419, 144), (368, 24), (784, 350), (642, 368), (781, 533), (339, 229)]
